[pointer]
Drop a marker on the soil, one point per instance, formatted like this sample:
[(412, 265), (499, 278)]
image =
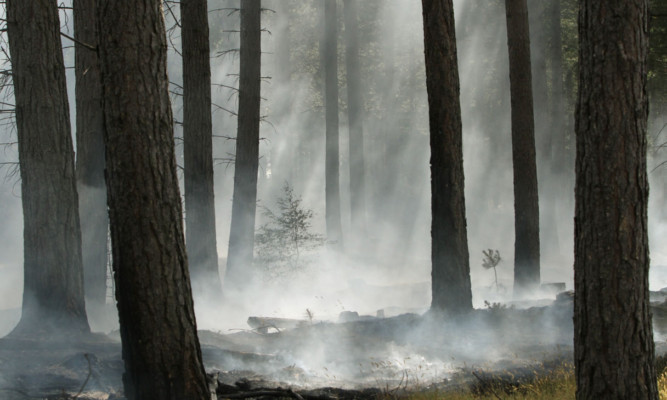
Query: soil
[(323, 360)]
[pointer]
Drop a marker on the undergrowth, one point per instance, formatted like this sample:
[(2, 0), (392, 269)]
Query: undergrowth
[(559, 384)]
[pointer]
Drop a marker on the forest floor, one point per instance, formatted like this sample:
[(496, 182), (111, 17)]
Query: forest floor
[(361, 359)]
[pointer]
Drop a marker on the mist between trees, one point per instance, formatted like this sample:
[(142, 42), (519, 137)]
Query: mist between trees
[(328, 110)]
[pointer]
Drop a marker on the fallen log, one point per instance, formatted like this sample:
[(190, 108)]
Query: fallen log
[(263, 324)]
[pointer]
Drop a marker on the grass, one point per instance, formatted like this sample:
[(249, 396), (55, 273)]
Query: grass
[(559, 384)]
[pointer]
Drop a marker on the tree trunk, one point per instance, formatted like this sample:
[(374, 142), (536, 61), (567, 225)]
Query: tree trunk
[(526, 209), (242, 234), (53, 296), (332, 170), (451, 291), (90, 155), (198, 151), (157, 322), (613, 338), (538, 49), (557, 113), (355, 112)]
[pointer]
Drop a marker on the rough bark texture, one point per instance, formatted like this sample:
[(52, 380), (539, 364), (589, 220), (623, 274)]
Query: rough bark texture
[(451, 291), (198, 150), (526, 209), (242, 233), (90, 155), (331, 169), (613, 340), (53, 297), (355, 112), (157, 322)]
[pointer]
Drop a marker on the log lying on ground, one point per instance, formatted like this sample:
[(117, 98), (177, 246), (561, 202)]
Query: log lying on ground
[(263, 324)]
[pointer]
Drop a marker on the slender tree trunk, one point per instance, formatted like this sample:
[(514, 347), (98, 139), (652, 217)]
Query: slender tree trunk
[(557, 113), (198, 151), (332, 170), (538, 61), (242, 234), (53, 297), (451, 291), (284, 159), (90, 155), (545, 134), (526, 209), (157, 321), (613, 337), (355, 112)]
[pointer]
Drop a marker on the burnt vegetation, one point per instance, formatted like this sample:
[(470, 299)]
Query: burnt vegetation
[(147, 147)]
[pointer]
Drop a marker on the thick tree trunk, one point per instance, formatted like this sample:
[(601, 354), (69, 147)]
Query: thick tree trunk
[(526, 209), (355, 112), (451, 291), (242, 234), (157, 321), (332, 169), (198, 151), (53, 297), (613, 338), (90, 155)]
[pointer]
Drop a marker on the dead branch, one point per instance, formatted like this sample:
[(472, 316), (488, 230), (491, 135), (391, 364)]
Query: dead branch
[(86, 45), (172, 14), (279, 392), (224, 109)]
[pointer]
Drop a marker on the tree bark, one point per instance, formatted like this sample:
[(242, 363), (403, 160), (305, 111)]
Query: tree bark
[(526, 209), (355, 112), (90, 155), (451, 292), (53, 296), (157, 323), (198, 151), (613, 338), (242, 234), (332, 169)]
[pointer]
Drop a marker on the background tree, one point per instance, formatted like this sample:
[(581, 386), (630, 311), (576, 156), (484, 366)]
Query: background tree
[(157, 322), (90, 155), (242, 232), (332, 168), (53, 297), (613, 337), (450, 281), (556, 105), (198, 149), (526, 209), (355, 112)]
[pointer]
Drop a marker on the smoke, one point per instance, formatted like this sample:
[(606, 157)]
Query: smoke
[(389, 269)]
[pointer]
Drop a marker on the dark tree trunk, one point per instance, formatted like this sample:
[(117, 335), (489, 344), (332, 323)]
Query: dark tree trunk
[(451, 291), (90, 155), (355, 112), (332, 169), (613, 337), (198, 151), (53, 296), (157, 322), (526, 209), (242, 234)]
